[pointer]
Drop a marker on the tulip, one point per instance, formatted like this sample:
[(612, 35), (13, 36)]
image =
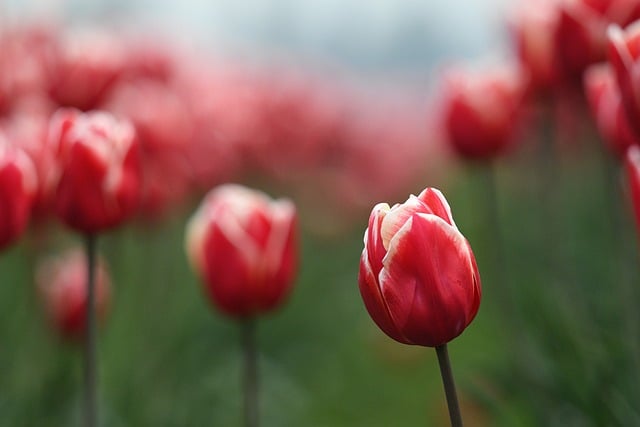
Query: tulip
[(607, 109), (624, 56), (18, 186), (87, 63), (482, 110), (580, 36), (244, 246), (97, 186), (418, 278), (533, 26), (62, 284), (98, 174)]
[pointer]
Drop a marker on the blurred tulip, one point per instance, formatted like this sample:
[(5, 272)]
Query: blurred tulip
[(25, 65), (632, 166), (624, 56), (533, 26), (165, 131), (86, 65), (244, 246), (418, 275), (18, 186), (482, 111), (580, 36), (607, 110), (97, 178), (29, 133), (62, 284)]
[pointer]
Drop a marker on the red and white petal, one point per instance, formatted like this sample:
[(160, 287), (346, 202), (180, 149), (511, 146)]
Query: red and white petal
[(374, 302), (438, 205), (398, 216), (429, 281), (373, 237)]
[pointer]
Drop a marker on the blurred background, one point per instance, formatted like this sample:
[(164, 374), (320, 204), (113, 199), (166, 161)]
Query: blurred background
[(336, 105)]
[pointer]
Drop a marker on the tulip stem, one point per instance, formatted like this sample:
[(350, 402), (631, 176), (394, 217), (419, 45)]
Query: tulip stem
[(250, 380), (449, 385), (90, 337)]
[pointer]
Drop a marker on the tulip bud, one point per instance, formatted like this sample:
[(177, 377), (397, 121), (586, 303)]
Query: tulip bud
[(607, 110), (624, 56), (62, 284), (418, 276), (244, 246), (98, 175), (482, 110), (18, 186)]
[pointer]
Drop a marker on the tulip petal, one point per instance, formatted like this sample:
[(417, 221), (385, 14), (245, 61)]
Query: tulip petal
[(280, 256), (226, 271), (373, 237), (438, 205), (373, 301), (430, 281), (398, 216)]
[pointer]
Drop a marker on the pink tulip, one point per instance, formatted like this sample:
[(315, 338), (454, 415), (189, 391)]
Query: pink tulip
[(62, 284)]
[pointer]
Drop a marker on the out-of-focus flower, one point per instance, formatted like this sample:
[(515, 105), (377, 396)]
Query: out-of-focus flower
[(624, 56), (62, 284), (29, 133), (18, 186), (607, 110), (86, 65), (165, 132), (580, 37), (418, 275), (482, 111), (632, 166), (533, 26), (97, 178), (244, 246), (25, 67)]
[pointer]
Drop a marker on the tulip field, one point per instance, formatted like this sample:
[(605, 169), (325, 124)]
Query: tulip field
[(191, 238)]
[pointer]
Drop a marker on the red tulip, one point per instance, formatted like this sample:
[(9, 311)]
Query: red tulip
[(481, 111), (18, 186), (98, 173), (580, 36), (62, 283), (624, 56), (244, 246), (418, 276), (533, 27), (607, 110)]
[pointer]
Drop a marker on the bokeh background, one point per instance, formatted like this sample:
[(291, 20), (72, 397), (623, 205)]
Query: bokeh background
[(555, 342)]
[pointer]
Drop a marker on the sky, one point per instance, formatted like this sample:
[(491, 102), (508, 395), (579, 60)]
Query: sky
[(364, 34)]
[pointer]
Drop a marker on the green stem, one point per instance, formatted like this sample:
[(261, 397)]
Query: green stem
[(449, 386), (90, 338), (250, 380)]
